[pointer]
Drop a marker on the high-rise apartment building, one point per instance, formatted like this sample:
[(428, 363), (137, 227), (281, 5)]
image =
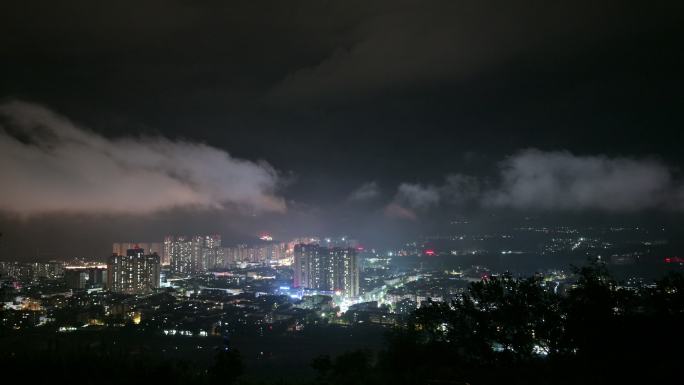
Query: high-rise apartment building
[(193, 255), (179, 253), (133, 273), (120, 248), (344, 270), (323, 268)]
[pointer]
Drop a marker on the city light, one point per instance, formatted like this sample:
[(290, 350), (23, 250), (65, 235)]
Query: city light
[(341, 193)]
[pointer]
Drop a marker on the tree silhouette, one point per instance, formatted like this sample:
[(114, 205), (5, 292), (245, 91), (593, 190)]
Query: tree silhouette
[(227, 367)]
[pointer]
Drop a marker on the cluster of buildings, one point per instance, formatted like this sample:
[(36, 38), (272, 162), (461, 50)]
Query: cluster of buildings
[(190, 255), (326, 265), (32, 271)]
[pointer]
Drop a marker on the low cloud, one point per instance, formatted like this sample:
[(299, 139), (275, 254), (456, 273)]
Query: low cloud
[(460, 190), (553, 181), (395, 210), (410, 198), (534, 179), (417, 196), (365, 192), (49, 165)]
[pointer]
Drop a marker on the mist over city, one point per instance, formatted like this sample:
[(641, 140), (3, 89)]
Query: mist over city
[(341, 192)]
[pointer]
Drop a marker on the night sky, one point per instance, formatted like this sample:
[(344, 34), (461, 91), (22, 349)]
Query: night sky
[(377, 119)]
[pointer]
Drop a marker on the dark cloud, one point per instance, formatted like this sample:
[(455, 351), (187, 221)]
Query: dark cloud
[(412, 43), (51, 165)]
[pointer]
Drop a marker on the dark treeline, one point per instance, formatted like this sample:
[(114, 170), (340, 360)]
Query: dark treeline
[(516, 331), (503, 330)]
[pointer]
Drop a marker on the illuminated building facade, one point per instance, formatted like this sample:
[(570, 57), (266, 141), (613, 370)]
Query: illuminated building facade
[(195, 255), (211, 253), (344, 270), (50, 270), (322, 268), (134, 273), (179, 252), (120, 248)]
